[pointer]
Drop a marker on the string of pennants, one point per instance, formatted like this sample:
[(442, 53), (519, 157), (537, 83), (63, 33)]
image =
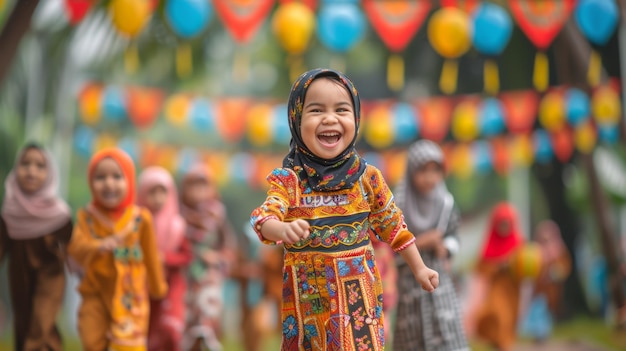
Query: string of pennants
[(479, 134)]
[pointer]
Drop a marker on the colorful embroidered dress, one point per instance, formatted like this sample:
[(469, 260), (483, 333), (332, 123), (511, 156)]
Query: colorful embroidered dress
[(332, 292)]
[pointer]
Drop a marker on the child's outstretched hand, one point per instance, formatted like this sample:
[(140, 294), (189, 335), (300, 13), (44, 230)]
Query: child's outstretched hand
[(295, 231), (428, 278)]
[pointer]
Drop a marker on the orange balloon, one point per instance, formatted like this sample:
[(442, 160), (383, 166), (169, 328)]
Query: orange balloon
[(90, 103), (293, 25), (260, 125), (177, 109)]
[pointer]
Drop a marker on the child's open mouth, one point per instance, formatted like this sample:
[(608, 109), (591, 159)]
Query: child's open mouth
[(329, 138)]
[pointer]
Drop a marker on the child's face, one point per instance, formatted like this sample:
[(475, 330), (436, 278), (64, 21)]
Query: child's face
[(110, 187), (327, 125), (426, 178), (196, 191), (156, 198), (31, 171)]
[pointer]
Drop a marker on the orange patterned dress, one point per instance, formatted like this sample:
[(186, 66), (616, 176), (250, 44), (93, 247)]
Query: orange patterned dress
[(332, 291)]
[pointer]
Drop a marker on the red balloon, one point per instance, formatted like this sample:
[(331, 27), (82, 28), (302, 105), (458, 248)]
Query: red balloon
[(563, 144), (77, 9), (144, 106)]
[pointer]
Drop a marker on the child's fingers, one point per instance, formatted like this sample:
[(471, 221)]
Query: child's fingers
[(434, 280), (428, 286)]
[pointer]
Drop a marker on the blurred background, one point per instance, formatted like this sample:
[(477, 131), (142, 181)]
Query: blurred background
[(525, 97)]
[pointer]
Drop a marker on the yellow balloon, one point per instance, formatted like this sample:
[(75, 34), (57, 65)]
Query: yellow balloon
[(450, 32), (552, 111), (605, 105), (177, 109), (522, 151), (129, 16), (378, 128), (293, 24), (104, 141), (585, 137), (465, 121), (260, 125), (90, 102), (167, 158), (462, 160)]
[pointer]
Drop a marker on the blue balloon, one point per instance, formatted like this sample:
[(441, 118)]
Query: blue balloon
[(188, 18), (130, 146), (406, 126), (492, 117), (83, 141), (340, 26), (543, 146), (114, 104), (608, 133), (331, 2), (597, 19), (241, 167), (187, 157), (282, 134), (201, 115), (578, 106), (482, 156), (492, 28)]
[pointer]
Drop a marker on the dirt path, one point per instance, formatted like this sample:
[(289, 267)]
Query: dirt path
[(573, 345)]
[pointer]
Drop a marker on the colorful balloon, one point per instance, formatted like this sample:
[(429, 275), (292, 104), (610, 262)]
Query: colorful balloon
[(177, 109), (188, 18), (405, 122), (241, 167), (104, 141), (201, 117), (608, 133), (527, 261), (585, 137), (379, 131), (130, 16), (578, 106), (83, 141), (293, 25), (130, 146), (282, 134), (552, 110), (543, 146), (522, 150), (114, 104), (465, 121), (89, 104), (481, 150), (76, 9), (492, 117), (462, 161), (450, 32), (597, 19), (605, 105), (492, 28), (340, 26), (260, 125), (187, 158)]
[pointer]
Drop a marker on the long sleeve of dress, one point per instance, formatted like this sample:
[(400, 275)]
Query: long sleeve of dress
[(282, 192), (180, 257), (82, 245), (157, 287), (386, 218)]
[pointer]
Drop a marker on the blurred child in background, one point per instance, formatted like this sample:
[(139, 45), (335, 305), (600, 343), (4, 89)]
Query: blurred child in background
[(430, 322), (157, 192), (493, 304), (213, 243), (114, 243), (35, 228), (556, 266)]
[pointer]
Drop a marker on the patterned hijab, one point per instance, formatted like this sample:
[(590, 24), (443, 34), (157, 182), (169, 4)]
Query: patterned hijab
[(316, 173), (29, 216), (421, 211)]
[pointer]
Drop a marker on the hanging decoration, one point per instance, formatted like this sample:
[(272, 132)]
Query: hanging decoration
[(379, 130), (90, 104), (396, 23), (597, 20), (501, 157), (114, 104), (293, 24), (144, 106), (231, 118), (552, 110), (543, 146), (129, 18), (520, 110), (259, 129), (282, 134), (541, 21), (465, 120), (312, 4), (435, 116), (77, 9), (242, 20), (406, 125), (481, 150), (563, 144), (492, 31), (491, 117), (201, 117), (578, 106), (467, 6), (83, 141), (187, 19), (177, 109), (449, 33), (340, 26), (585, 137), (462, 161), (605, 105), (521, 150)]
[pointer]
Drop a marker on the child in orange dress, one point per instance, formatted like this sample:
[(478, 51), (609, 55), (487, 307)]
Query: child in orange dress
[(114, 244), (157, 192)]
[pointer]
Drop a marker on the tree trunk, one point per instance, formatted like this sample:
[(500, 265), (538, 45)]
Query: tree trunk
[(573, 50), (14, 29)]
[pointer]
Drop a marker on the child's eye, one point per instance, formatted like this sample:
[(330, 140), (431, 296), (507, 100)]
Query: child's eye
[(117, 176)]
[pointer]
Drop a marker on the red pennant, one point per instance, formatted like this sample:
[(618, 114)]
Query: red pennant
[(520, 110), (312, 4), (396, 22), (77, 9), (541, 20), (243, 17), (466, 5), (435, 116), (144, 106), (231, 118), (501, 158), (563, 144)]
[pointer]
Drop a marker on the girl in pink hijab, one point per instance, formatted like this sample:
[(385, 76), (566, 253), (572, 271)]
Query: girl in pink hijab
[(157, 192), (35, 227)]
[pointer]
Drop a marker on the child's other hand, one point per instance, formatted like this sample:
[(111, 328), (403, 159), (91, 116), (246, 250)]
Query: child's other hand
[(109, 243), (295, 231), (428, 279)]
